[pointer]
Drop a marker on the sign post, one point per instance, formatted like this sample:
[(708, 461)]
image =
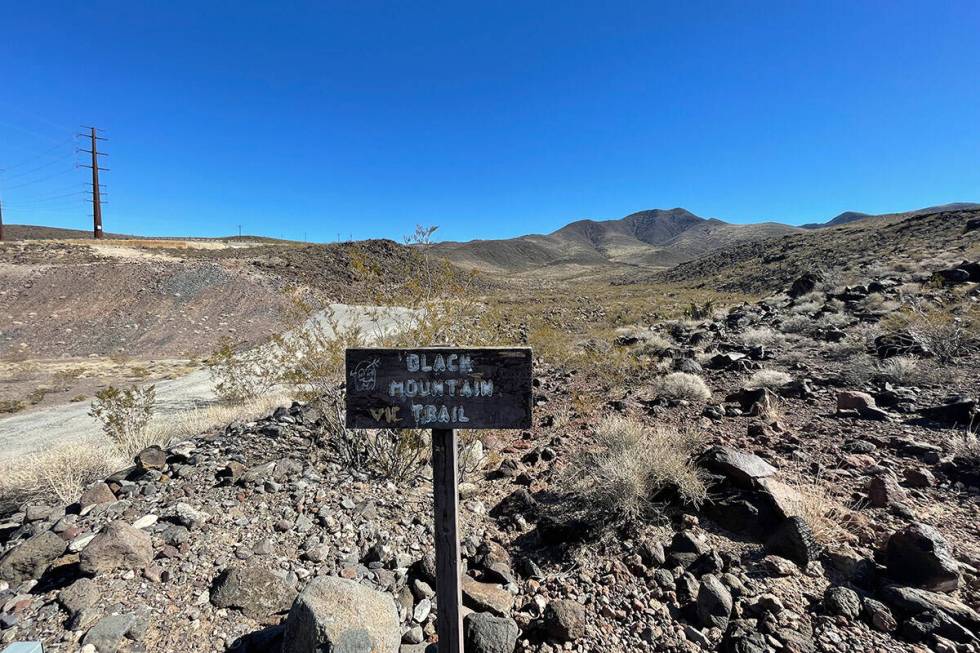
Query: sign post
[(443, 389)]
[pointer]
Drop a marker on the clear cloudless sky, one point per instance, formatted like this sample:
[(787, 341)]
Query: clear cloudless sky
[(489, 119)]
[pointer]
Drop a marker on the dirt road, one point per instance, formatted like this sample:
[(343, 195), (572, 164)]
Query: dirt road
[(34, 430)]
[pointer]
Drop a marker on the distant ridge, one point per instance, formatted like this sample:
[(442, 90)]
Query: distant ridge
[(654, 239), (853, 216)]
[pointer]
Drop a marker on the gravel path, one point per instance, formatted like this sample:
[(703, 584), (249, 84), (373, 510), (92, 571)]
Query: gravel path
[(32, 431)]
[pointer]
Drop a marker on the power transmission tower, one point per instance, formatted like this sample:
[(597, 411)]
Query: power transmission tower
[(1, 220), (96, 188)]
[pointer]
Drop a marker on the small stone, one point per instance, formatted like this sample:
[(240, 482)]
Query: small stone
[(254, 590), (714, 603), (151, 458), (32, 557), (95, 494)]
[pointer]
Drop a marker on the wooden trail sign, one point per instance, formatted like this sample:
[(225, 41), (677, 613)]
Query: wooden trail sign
[(441, 388)]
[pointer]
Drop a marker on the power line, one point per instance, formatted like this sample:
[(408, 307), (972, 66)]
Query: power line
[(37, 181), (41, 155), (42, 166)]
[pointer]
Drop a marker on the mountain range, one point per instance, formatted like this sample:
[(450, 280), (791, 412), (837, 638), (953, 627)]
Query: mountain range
[(653, 239)]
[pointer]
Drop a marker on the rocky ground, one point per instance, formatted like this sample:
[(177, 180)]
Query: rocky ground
[(842, 514)]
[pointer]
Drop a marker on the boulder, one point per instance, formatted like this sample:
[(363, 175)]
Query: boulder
[(118, 546), (254, 589), (879, 615), (564, 620), (32, 557), (843, 602), (486, 633), (884, 491), (919, 555), (152, 457), (487, 597), (740, 467), (335, 614), (912, 601), (804, 284), (107, 635), (957, 413), (794, 540), (81, 594), (95, 494), (854, 400), (714, 603)]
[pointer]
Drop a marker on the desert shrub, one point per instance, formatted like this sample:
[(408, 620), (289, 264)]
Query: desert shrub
[(806, 307), (164, 430), (12, 406), (946, 335), (771, 379), (832, 320), (702, 311), (828, 519), (58, 473), (240, 375), (653, 344), (859, 369), (618, 481), (878, 304), (765, 336), (124, 415), (906, 370), (966, 445), (796, 324), (681, 385), (395, 455), (845, 349)]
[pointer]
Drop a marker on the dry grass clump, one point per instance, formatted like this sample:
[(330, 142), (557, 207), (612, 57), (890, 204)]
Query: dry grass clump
[(756, 336), (631, 465), (966, 445), (683, 386), (796, 324), (845, 349), (806, 307), (171, 428), (58, 473), (770, 379), (828, 519), (946, 335), (905, 370)]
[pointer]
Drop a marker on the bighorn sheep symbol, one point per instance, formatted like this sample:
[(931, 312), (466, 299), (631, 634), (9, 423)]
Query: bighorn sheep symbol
[(365, 374)]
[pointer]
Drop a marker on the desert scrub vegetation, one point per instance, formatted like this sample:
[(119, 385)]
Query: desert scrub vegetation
[(905, 370), (631, 467), (755, 336), (771, 379), (682, 386), (124, 415), (58, 473), (945, 334)]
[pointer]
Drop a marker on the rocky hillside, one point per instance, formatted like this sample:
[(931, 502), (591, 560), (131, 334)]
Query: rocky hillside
[(909, 243), (835, 442), (649, 239)]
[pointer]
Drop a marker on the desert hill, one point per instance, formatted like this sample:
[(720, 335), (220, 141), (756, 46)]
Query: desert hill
[(657, 239)]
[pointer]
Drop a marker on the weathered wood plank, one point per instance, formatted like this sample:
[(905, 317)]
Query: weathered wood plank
[(439, 387), (449, 599)]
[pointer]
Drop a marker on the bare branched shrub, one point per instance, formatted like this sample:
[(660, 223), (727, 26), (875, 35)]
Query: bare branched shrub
[(395, 455), (124, 415), (240, 375), (770, 379), (947, 336), (683, 386), (619, 481)]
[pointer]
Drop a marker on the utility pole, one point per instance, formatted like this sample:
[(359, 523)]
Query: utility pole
[(1, 220), (96, 189)]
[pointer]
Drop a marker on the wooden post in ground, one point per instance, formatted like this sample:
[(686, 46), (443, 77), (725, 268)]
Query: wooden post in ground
[(445, 494)]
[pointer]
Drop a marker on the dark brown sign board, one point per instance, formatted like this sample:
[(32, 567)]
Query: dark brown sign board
[(443, 389), (439, 388)]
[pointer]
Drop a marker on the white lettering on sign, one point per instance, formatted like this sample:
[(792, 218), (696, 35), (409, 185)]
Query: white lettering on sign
[(453, 387)]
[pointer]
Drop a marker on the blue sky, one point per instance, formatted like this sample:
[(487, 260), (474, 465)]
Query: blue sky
[(488, 119)]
